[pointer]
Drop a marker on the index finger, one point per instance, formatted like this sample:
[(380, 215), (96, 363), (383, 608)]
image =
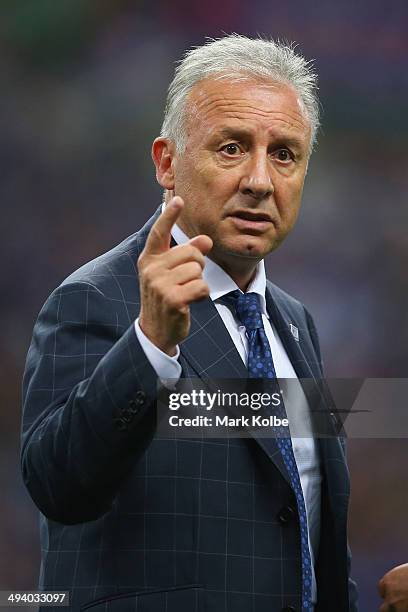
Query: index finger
[(159, 236)]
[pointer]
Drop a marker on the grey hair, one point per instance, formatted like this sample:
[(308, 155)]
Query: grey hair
[(235, 57)]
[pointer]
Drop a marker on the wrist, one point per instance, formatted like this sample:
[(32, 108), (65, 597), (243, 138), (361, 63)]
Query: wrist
[(163, 346)]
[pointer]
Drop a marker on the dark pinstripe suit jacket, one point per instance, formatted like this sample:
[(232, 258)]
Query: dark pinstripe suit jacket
[(130, 522)]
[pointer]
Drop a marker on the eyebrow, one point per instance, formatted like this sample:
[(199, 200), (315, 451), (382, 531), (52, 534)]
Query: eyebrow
[(240, 133), (237, 133)]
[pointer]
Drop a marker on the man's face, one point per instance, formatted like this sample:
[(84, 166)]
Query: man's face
[(242, 171)]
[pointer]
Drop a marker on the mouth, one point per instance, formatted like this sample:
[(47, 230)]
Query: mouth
[(251, 220)]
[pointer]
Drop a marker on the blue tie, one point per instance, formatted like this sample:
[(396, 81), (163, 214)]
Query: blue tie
[(260, 365)]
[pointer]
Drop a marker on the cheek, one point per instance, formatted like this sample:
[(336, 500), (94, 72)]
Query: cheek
[(208, 180), (215, 179), (288, 199)]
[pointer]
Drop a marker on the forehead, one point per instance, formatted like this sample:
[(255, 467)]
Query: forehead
[(267, 105)]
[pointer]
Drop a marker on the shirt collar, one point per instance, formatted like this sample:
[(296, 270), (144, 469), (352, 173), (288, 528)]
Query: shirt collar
[(219, 281)]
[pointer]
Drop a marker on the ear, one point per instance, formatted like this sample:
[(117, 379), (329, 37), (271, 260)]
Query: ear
[(163, 153)]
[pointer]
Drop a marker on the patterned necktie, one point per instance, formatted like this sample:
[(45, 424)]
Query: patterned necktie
[(260, 365)]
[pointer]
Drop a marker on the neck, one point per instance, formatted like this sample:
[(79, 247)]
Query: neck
[(241, 275)]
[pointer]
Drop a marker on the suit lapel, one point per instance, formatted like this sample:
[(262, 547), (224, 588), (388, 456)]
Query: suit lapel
[(304, 361), (303, 358), (210, 351), (298, 351), (208, 347)]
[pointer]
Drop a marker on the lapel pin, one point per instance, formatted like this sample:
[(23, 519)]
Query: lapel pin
[(295, 331)]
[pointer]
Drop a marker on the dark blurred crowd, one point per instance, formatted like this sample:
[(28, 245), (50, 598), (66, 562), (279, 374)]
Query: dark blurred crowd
[(83, 85)]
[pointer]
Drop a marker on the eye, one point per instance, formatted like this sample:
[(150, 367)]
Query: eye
[(231, 149), (283, 155)]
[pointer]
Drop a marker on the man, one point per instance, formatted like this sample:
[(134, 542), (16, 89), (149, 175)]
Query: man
[(393, 588), (131, 521)]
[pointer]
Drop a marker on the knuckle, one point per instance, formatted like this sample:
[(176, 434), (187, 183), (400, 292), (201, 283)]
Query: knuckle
[(151, 279), (196, 268), (141, 260), (147, 273), (203, 289), (197, 254), (173, 300), (192, 252), (152, 284), (158, 288), (186, 251)]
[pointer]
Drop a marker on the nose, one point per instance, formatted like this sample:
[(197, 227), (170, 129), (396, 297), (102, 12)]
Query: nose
[(256, 180)]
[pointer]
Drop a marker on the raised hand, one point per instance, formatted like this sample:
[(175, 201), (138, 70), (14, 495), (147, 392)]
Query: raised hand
[(170, 280)]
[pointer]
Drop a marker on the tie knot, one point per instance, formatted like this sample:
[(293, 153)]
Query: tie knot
[(247, 307)]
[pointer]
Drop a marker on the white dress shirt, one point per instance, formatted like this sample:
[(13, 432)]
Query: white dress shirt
[(304, 449)]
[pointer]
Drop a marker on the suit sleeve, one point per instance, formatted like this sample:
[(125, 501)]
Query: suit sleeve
[(88, 405), (352, 587)]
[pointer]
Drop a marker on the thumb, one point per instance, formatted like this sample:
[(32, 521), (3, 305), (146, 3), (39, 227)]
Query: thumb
[(202, 242)]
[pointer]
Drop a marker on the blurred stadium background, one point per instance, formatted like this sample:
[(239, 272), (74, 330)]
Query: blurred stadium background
[(83, 85)]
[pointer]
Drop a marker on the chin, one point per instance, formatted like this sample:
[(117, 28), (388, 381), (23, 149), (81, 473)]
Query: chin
[(247, 247)]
